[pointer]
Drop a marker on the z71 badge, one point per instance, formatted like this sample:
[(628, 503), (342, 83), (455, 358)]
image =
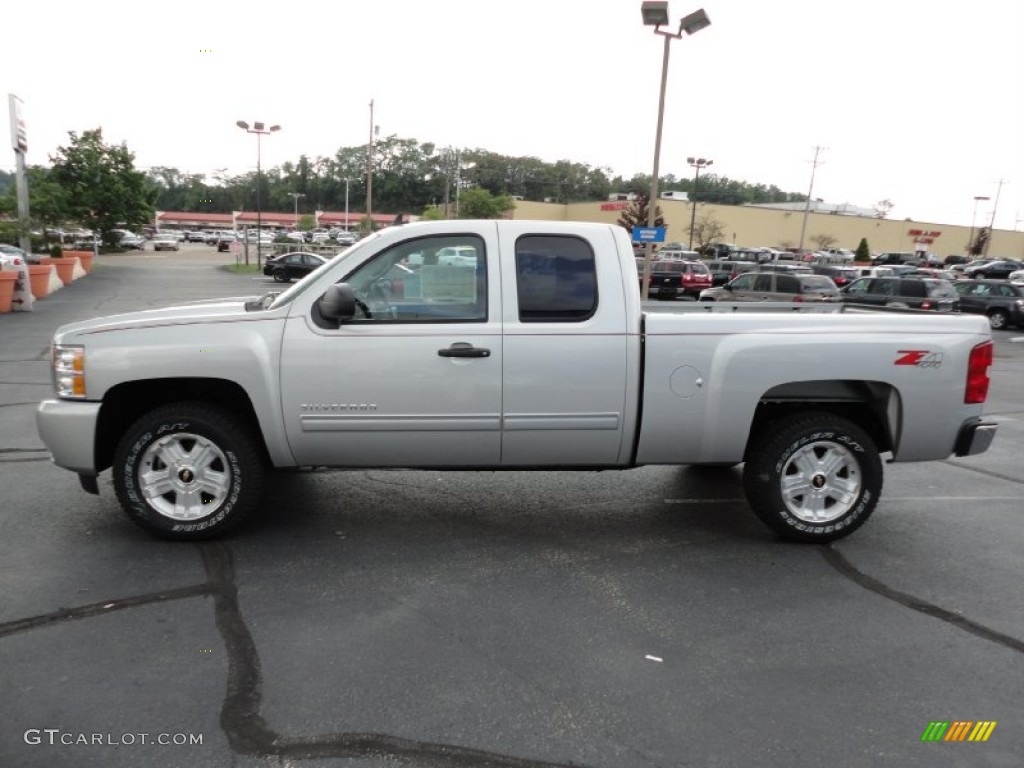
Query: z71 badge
[(922, 358)]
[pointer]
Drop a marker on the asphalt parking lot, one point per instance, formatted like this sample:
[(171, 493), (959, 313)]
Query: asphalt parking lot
[(617, 619)]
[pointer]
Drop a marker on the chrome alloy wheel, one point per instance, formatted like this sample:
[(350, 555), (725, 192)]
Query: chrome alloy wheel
[(184, 476), (820, 482)]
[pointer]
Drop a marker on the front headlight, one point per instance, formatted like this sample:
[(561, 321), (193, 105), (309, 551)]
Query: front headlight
[(69, 370)]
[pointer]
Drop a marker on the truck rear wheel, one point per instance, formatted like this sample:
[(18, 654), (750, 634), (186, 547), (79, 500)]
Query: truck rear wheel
[(188, 471), (814, 477)]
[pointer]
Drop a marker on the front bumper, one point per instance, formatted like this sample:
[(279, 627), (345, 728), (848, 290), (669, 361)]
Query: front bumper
[(68, 430), (975, 437)]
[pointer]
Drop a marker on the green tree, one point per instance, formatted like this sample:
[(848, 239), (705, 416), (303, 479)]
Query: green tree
[(432, 213), (980, 239), (47, 202), (478, 203), (307, 222), (863, 253), (635, 215), (102, 187)]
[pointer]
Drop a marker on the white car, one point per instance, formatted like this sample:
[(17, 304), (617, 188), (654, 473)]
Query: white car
[(1017, 277), (165, 242)]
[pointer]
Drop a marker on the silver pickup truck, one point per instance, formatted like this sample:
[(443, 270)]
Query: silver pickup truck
[(528, 350)]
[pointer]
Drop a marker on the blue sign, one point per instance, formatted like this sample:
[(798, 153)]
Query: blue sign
[(648, 234)]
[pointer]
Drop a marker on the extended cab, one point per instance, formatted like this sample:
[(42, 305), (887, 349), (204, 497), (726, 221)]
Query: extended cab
[(530, 350)]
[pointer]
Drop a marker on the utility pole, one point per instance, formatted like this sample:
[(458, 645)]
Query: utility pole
[(992, 221), (810, 191), (369, 170)]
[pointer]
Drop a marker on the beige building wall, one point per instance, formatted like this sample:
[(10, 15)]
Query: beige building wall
[(757, 227)]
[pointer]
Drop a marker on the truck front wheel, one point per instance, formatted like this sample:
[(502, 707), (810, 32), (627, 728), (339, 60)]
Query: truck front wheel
[(815, 477), (188, 471)]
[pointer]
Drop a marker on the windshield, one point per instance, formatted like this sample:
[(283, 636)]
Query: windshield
[(300, 286)]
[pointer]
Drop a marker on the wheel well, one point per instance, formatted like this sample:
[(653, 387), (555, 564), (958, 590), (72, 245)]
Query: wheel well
[(125, 403), (873, 406)]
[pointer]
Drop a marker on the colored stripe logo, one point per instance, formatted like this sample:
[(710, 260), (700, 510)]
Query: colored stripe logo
[(958, 730)]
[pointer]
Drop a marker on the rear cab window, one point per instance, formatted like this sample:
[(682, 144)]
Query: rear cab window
[(556, 279)]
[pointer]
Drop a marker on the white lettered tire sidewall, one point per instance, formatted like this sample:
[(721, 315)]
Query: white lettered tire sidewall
[(242, 465), (763, 475)]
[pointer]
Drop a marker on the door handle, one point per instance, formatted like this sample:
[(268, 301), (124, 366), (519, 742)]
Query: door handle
[(462, 349)]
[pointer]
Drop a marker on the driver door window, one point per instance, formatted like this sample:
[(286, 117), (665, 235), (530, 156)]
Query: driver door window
[(430, 279)]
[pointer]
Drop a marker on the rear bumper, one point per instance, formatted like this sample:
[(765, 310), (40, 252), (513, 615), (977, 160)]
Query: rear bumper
[(68, 430), (975, 437)]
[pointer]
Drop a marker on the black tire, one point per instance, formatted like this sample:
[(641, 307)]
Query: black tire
[(998, 320), (281, 276), (842, 492), (214, 450)]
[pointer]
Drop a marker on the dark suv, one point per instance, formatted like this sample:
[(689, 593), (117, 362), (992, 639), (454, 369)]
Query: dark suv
[(1001, 302), (672, 279), (904, 292), (993, 269)]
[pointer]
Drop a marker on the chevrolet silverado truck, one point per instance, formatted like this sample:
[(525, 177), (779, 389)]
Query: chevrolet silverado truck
[(531, 351)]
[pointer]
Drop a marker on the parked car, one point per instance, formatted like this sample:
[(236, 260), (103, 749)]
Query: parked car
[(131, 240), (671, 279), (292, 266), (724, 270), (953, 259), (1002, 302), (195, 236), (677, 254), (224, 240), (839, 275), (296, 237), (774, 286), (346, 238), (212, 237), (907, 292), (165, 242), (893, 257), (1016, 277), (994, 269)]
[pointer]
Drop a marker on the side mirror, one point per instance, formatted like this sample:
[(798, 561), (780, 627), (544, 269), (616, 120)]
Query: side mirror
[(339, 303)]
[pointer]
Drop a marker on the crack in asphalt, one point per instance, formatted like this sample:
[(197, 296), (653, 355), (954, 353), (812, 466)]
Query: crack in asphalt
[(100, 608), (241, 721), (247, 731), (838, 561)]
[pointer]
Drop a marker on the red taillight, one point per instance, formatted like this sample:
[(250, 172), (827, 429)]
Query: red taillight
[(926, 304), (798, 298), (687, 277), (977, 373)]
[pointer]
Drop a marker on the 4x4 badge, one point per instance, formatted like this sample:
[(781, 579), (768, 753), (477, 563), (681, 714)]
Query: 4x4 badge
[(922, 358)]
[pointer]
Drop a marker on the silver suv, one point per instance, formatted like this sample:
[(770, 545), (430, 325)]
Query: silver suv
[(774, 286)]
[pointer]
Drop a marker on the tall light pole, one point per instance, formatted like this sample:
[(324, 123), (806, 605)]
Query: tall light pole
[(696, 163), (374, 130), (295, 197), (260, 130), (974, 219), (810, 191), (655, 14)]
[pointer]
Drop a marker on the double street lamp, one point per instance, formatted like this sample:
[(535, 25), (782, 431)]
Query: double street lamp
[(655, 14), (260, 130), (697, 163)]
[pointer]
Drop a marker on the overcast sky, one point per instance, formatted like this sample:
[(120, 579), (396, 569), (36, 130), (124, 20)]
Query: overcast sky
[(917, 101)]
